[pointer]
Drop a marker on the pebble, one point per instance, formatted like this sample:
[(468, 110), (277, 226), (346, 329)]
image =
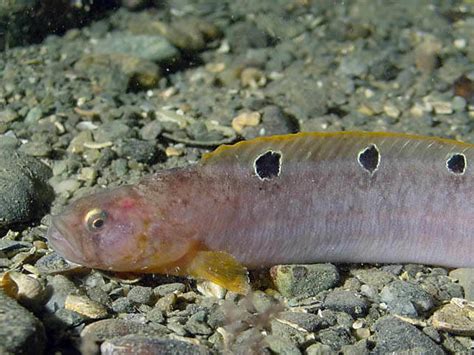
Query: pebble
[(307, 321), (110, 328), (246, 119), (8, 115), (123, 305), (281, 345), (138, 344), (166, 289), (26, 289), (141, 295), (84, 306), (166, 303), (25, 194), (21, 332), (304, 280), (149, 47), (60, 287), (466, 280), (456, 317), (393, 335), (141, 151), (346, 301), (406, 298), (319, 349), (335, 337), (111, 131)]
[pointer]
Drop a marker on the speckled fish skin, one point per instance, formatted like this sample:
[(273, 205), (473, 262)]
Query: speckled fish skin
[(324, 206)]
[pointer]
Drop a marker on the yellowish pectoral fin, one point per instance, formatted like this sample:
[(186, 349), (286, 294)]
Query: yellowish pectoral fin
[(220, 268)]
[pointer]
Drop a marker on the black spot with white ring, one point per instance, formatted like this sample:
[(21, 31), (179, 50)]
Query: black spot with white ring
[(268, 165), (456, 164), (369, 158)]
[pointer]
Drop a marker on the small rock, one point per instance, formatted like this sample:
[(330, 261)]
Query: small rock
[(455, 318), (347, 301), (196, 325), (252, 77), (8, 115), (304, 280), (155, 316), (149, 47), (307, 321), (111, 328), (141, 151), (318, 349), (466, 280), (373, 277), (280, 345), (25, 194), (141, 295), (137, 344), (163, 290), (111, 131), (166, 303), (393, 335), (151, 130), (84, 306), (246, 119), (52, 263), (21, 332), (406, 298), (26, 289), (335, 337), (60, 287), (123, 305)]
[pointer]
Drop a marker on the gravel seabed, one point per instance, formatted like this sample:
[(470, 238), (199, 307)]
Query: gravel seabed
[(141, 89)]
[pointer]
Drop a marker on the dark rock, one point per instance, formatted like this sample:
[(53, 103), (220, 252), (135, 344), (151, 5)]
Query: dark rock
[(406, 298), (123, 305), (282, 345), (304, 280), (59, 287), (25, 194), (141, 295), (347, 301), (141, 151), (165, 289), (335, 337), (21, 332), (308, 321), (394, 335)]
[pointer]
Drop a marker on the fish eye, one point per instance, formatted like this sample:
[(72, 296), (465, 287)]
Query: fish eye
[(95, 219)]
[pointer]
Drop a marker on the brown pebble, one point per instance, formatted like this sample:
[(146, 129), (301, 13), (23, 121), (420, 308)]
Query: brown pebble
[(464, 87), (456, 317), (85, 306)]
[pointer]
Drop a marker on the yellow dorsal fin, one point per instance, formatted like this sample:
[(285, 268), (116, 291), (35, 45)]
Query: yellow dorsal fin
[(318, 146)]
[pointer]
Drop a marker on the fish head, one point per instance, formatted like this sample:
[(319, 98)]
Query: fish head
[(113, 230)]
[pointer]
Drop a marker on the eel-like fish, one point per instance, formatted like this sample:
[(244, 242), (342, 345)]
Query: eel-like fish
[(298, 198)]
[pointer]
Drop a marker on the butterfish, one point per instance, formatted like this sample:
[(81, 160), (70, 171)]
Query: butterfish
[(345, 197)]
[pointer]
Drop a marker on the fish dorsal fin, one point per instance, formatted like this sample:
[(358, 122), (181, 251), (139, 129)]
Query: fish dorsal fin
[(323, 146)]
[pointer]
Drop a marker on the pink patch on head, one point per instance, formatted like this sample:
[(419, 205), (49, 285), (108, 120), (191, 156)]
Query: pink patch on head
[(128, 203)]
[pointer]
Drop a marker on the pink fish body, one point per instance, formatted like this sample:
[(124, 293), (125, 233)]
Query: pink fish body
[(303, 198)]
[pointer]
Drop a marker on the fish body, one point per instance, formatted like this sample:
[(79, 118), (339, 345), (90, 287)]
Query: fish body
[(302, 198)]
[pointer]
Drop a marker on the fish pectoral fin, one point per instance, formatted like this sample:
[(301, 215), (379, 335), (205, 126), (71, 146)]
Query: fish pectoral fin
[(221, 268)]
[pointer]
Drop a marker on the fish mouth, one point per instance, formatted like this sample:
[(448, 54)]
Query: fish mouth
[(57, 238)]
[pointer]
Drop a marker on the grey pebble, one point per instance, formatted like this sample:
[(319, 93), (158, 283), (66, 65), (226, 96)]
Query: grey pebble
[(134, 344), (141, 295), (150, 47), (394, 335), (166, 303), (111, 131), (141, 151), (155, 316), (59, 287), (406, 298), (308, 321), (466, 280), (347, 301), (281, 345), (111, 328), (304, 280), (25, 194), (151, 130), (319, 349), (373, 277), (21, 332), (288, 331), (335, 337), (123, 305), (165, 289)]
